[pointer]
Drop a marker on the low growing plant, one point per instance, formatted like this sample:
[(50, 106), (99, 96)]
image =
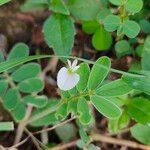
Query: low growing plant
[(84, 85)]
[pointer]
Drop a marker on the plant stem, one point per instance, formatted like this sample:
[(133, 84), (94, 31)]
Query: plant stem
[(35, 140), (48, 111), (44, 113), (104, 139), (10, 64), (55, 126), (22, 125)]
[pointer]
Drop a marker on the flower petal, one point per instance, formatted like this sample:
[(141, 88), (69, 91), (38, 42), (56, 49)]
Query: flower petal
[(61, 76), (75, 68), (74, 63), (66, 81), (71, 81), (69, 63)]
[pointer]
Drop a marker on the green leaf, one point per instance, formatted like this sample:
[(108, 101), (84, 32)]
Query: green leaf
[(19, 111), (72, 106), (18, 50), (146, 55), (37, 101), (85, 9), (114, 88), (59, 6), (4, 66), (106, 107), (11, 99), (141, 133), (6, 126), (85, 138), (59, 33), (122, 48), (26, 71), (31, 85), (131, 28), (117, 2), (118, 101), (84, 72), (135, 66), (47, 119), (104, 3), (3, 87), (61, 112), (90, 27), (115, 125), (80, 144), (73, 91), (139, 50), (111, 23), (34, 5), (65, 94), (99, 72), (138, 109), (84, 111), (66, 132), (145, 25), (120, 32), (138, 83), (102, 15), (2, 2), (133, 40), (101, 39), (133, 6)]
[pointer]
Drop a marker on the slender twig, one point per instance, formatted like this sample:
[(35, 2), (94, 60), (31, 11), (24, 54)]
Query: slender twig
[(55, 126), (22, 125), (20, 143), (64, 146), (120, 132), (36, 143), (127, 143), (31, 135), (44, 137), (96, 137), (51, 65), (104, 139), (35, 140)]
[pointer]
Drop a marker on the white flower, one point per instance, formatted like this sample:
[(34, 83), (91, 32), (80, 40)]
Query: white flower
[(67, 78)]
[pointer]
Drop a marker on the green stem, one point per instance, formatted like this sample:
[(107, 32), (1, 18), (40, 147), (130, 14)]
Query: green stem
[(48, 111), (44, 113), (12, 84), (84, 94), (112, 69), (10, 64)]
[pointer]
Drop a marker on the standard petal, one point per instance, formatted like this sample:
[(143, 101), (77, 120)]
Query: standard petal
[(61, 77), (71, 81)]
